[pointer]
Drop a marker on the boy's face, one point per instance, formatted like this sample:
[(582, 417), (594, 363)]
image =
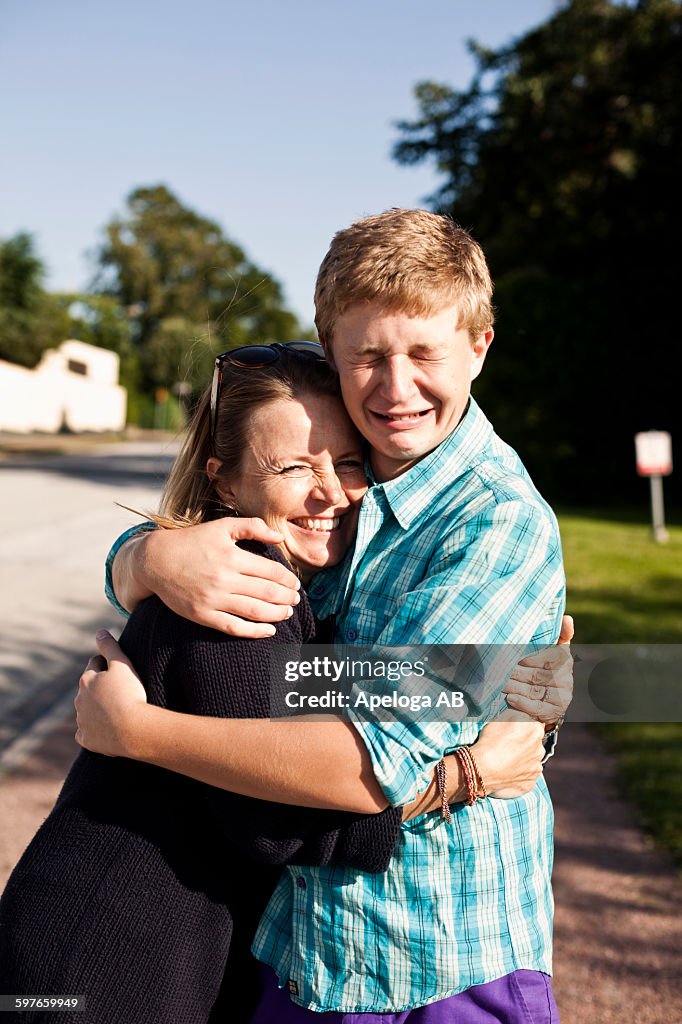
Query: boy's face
[(405, 379)]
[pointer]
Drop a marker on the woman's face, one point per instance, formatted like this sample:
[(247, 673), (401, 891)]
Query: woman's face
[(302, 472)]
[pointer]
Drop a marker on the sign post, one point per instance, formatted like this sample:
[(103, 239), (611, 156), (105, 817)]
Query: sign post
[(654, 454)]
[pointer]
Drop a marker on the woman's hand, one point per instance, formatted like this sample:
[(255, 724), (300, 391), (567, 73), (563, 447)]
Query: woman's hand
[(201, 574), (110, 702), (541, 686)]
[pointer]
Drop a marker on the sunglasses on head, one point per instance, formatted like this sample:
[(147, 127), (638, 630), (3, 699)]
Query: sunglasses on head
[(254, 357)]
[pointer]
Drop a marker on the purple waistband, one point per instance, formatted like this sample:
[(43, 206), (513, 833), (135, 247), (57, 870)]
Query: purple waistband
[(523, 997)]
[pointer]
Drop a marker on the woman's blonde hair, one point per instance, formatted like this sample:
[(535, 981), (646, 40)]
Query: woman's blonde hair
[(190, 495), (407, 261)]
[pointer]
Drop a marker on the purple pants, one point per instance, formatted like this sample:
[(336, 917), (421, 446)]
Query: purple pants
[(524, 997)]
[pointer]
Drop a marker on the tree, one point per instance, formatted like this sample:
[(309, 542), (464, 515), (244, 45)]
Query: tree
[(564, 156), (187, 290), (31, 320)]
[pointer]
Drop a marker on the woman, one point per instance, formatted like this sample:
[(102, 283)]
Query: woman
[(140, 882)]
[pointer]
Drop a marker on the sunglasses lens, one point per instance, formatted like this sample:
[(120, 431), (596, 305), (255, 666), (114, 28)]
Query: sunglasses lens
[(307, 348), (251, 355)]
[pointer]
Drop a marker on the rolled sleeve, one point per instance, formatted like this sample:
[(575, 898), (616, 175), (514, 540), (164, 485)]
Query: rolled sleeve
[(134, 531), (404, 754)]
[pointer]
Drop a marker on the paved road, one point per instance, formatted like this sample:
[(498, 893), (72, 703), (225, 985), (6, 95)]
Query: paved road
[(57, 518)]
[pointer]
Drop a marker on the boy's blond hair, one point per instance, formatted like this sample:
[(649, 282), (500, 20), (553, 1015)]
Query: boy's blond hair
[(407, 261)]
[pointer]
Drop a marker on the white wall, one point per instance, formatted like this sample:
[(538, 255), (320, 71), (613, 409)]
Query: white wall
[(53, 394)]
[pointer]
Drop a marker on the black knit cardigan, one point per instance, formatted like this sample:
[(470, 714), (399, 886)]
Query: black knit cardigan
[(141, 882)]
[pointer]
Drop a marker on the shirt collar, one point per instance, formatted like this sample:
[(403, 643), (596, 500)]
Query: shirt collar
[(413, 491)]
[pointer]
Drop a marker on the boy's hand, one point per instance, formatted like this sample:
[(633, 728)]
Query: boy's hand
[(509, 756), (201, 574), (541, 685)]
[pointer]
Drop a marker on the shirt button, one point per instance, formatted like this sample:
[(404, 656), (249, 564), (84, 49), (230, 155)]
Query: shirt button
[(300, 882), (316, 591), (352, 634)]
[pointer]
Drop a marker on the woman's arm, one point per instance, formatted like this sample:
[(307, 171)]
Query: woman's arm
[(309, 763), (191, 669)]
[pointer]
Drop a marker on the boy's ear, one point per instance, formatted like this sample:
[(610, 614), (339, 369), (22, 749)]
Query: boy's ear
[(479, 350), (223, 489)]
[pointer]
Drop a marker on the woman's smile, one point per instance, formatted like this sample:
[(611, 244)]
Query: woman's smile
[(318, 525)]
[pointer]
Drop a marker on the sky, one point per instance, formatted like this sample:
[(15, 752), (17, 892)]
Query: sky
[(275, 119)]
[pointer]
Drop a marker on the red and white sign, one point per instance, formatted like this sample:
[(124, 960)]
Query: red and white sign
[(654, 452)]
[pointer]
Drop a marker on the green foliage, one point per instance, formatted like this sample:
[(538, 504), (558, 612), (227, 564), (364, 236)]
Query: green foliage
[(30, 319), (146, 412), (564, 157), (188, 292), (21, 273), (98, 320)]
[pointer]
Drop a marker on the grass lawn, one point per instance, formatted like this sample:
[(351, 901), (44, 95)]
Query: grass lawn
[(623, 588)]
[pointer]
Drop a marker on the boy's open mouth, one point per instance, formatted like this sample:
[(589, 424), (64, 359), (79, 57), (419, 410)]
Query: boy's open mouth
[(407, 417)]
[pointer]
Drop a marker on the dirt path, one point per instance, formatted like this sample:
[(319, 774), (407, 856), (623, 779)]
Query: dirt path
[(618, 933), (619, 901)]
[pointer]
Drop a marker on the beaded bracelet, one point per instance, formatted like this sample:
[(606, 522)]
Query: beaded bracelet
[(482, 791), (442, 782), (474, 781), (462, 755)]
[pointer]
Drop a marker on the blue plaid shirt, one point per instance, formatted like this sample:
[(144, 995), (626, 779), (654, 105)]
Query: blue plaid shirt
[(459, 549)]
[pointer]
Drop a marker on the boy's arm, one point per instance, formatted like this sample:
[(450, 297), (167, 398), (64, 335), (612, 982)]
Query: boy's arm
[(201, 573), (497, 580), (122, 588)]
